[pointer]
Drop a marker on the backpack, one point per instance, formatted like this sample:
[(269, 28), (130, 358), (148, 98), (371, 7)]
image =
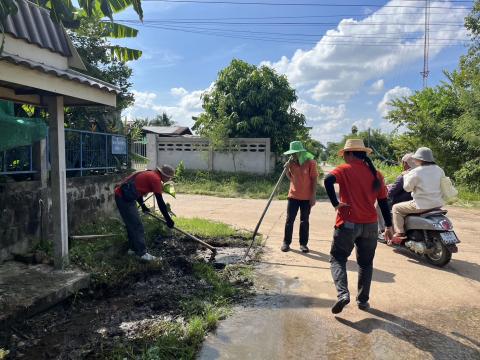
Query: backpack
[(448, 190)]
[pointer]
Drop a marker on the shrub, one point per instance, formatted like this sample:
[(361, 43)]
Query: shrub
[(469, 175), (180, 170)]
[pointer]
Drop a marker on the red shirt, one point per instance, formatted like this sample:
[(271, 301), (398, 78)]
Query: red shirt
[(301, 179), (145, 182), (356, 189)]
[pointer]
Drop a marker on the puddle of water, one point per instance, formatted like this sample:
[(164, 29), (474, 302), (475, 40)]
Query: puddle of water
[(285, 324)]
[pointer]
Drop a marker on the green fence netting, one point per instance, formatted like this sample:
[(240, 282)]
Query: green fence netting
[(18, 131)]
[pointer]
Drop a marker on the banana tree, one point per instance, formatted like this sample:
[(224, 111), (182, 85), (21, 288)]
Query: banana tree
[(65, 13)]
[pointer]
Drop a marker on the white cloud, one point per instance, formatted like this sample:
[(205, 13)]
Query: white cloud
[(179, 91), (397, 92), (144, 100), (377, 86), (187, 104), (354, 53)]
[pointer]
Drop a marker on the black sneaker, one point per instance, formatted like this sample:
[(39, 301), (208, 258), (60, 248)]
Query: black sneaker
[(285, 247), (364, 306), (339, 305), (304, 249)]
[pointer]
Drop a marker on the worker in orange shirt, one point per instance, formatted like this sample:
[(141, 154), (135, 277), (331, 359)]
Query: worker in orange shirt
[(302, 172)]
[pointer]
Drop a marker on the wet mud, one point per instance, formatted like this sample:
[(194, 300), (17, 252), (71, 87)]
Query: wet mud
[(94, 321)]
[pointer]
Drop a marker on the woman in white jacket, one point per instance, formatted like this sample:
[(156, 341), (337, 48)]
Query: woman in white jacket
[(424, 184)]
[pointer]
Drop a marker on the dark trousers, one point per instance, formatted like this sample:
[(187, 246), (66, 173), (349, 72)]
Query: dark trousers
[(136, 233), (345, 238), (292, 210)]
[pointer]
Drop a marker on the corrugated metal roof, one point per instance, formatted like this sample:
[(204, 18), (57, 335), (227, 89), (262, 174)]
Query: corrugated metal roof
[(33, 24), (168, 130), (67, 74)]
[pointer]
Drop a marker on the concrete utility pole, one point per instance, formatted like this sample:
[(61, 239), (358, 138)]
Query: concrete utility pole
[(426, 44), (58, 181)]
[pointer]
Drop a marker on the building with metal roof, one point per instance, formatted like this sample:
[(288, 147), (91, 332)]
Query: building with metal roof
[(37, 68)]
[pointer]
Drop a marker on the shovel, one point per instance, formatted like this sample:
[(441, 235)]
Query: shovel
[(194, 238)]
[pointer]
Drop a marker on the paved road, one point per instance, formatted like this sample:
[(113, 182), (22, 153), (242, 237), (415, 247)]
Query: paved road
[(418, 311)]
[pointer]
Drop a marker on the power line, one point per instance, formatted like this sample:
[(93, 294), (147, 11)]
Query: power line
[(293, 41), (360, 36), (286, 17), (223, 2), (447, 24)]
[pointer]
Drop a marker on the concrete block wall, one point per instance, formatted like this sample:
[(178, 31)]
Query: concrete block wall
[(22, 205), (241, 155)]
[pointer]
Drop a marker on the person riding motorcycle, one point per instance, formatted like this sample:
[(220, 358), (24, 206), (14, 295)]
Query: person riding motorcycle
[(424, 184), (396, 193)]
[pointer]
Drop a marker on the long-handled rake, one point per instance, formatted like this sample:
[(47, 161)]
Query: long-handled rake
[(194, 238), (282, 175)]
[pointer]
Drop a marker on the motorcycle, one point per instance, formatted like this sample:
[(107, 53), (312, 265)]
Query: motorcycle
[(431, 235)]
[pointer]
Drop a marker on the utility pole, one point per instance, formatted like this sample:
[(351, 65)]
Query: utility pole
[(426, 44)]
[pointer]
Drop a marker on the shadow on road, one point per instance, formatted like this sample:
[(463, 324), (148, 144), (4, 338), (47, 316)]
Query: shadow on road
[(378, 275), (440, 346), (458, 267)]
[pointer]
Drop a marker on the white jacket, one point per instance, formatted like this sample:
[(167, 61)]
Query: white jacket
[(424, 184)]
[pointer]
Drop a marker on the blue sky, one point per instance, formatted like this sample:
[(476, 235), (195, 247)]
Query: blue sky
[(345, 66)]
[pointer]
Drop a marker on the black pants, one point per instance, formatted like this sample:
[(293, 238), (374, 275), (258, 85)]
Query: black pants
[(345, 238), (292, 210), (133, 223)]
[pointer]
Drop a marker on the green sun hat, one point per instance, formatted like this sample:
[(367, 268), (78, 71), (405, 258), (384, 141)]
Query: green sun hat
[(295, 147)]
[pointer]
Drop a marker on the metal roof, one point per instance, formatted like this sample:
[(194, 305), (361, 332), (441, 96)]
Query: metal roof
[(67, 74), (168, 130), (34, 25)]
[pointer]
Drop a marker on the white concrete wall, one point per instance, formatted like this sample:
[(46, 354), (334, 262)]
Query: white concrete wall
[(243, 155)]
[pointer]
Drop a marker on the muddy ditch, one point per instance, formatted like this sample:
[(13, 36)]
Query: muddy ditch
[(184, 294)]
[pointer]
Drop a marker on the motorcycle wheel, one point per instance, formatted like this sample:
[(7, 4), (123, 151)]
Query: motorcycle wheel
[(440, 256)]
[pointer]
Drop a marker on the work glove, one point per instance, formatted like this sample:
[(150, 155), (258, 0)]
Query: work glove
[(170, 223), (145, 209)]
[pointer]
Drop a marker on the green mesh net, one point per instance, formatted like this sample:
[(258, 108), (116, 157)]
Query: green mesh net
[(17, 131)]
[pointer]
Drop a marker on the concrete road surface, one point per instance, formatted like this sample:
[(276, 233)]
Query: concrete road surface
[(418, 311)]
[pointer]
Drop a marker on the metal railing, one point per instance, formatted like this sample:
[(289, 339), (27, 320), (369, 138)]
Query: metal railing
[(16, 161), (86, 153)]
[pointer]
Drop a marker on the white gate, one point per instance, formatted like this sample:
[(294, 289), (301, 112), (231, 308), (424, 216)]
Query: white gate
[(139, 155)]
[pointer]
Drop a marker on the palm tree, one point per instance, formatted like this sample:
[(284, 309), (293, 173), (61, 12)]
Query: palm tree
[(63, 12)]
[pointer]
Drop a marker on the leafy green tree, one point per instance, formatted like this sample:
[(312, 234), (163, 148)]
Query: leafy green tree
[(162, 120), (429, 117), (90, 42), (250, 101)]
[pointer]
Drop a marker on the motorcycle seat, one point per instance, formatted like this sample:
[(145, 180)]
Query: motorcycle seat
[(430, 212)]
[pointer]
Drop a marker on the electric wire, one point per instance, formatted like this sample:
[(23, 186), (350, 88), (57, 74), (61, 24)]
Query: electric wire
[(298, 41), (263, 3), (359, 36)]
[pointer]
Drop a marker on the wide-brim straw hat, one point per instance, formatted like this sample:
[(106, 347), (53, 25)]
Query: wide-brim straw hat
[(295, 147), (166, 170), (424, 154), (355, 145)]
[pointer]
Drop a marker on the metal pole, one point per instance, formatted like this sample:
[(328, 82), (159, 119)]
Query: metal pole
[(106, 153), (81, 154), (282, 175)]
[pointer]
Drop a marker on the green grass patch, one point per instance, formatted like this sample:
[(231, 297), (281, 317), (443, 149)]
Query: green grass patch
[(209, 228), (236, 185)]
